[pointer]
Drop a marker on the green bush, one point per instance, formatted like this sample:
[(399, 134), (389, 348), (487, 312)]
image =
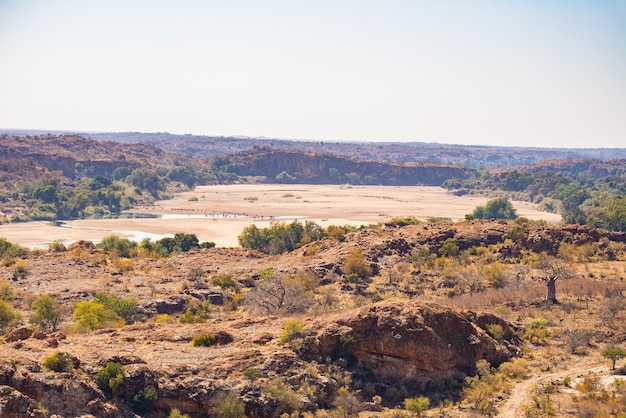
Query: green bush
[(111, 379), (224, 281), (252, 374), (495, 331), (280, 237), (292, 329), (449, 248), (203, 340), (289, 400), (9, 317), (417, 405), (7, 294), (90, 316), (58, 361), (495, 209), (536, 329), (121, 246), (126, 309), (46, 312), (232, 407), (144, 400), (355, 266), (175, 413)]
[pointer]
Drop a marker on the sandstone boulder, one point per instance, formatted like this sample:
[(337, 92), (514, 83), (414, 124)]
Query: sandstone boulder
[(18, 334), (407, 341)]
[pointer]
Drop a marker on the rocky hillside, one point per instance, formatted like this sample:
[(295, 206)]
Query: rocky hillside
[(311, 168), (298, 332), (74, 155)]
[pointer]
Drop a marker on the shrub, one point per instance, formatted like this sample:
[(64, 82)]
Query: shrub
[(46, 312), (20, 268), (121, 246), (94, 315), (495, 331), (203, 340), (111, 379), (7, 294), (292, 329), (164, 319), (56, 246), (232, 407), (289, 400), (516, 368), (495, 209), (449, 248), (252, 374), (126, 309), (536, 329), (58, 361), (355, 265), (417, 405), (144, 400), (175, 413), (9, 317), (224, 281)]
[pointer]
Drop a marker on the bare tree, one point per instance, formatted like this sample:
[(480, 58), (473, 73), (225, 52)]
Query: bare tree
[(549, 270), (280, 294)]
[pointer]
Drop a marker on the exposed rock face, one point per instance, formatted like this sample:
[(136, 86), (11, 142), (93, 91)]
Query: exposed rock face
[(410, 341), (13, 404), (316, 168)]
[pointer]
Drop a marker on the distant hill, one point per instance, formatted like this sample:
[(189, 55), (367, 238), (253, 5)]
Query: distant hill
[(397, 152), (474, 156)]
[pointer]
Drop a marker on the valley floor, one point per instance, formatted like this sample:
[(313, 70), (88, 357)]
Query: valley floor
[(221, 212)]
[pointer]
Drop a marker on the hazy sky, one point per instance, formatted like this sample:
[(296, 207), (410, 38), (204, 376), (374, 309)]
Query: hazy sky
[(504, 72)]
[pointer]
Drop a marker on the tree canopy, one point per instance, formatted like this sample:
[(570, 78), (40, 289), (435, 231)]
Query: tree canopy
[(495, 209)]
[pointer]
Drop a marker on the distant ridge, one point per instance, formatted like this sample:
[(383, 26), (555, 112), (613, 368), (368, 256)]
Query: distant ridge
[(474, 156)]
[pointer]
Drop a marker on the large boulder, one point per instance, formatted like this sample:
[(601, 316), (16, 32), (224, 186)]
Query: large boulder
[(406, 340)]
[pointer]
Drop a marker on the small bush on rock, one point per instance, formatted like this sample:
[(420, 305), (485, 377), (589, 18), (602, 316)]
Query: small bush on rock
[(111, 379), (203, 340), (57, 362)]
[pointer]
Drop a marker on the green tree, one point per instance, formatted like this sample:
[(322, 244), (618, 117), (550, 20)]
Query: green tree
[(46, 312), (146, 179), (495, 209), (93, 315), (121, 246), (614, 354), (47, 194), (9, 317)]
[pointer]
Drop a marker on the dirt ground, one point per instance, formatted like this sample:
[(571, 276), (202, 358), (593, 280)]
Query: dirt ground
[(222, 212)]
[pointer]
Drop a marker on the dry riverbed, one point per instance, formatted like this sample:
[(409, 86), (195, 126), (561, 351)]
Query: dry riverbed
[(221, 212)]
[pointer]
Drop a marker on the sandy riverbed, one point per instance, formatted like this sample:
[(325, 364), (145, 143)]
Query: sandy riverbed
[(221, 212)]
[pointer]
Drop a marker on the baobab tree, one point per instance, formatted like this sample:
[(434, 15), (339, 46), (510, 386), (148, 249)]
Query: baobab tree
[(549, 270)]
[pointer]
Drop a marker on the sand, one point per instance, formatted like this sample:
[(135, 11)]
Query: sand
[(222, 212)]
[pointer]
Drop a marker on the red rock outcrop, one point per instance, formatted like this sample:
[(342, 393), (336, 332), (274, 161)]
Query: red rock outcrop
[(407, 341)]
